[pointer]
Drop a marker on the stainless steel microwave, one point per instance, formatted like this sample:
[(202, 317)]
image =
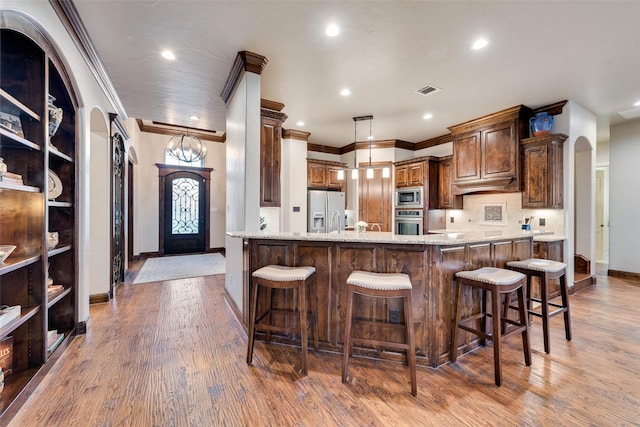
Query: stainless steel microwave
[(409, 197)]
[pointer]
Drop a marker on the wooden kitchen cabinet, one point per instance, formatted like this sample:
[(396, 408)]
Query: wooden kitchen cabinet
[(542, 171), (486, 151), (325, 175), (410, 175), (270, 139), (446, 197), (420, 172)]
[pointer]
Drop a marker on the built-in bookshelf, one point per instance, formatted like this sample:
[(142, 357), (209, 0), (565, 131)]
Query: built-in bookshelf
[(38, 198)]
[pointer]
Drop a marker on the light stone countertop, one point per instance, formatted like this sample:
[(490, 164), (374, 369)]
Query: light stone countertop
[(385, 237), (548, 238)]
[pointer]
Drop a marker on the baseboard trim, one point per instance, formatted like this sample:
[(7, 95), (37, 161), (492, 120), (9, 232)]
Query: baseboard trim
[(623, 274), (81, 328), (99, 298)]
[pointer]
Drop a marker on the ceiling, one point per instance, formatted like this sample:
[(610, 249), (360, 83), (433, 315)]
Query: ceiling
[(538, 53)]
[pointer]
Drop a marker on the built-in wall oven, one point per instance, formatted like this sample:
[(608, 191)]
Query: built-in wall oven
[(409, 222), (407, 198)]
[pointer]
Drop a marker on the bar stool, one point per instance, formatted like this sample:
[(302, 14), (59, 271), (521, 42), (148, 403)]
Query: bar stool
[(546, 270), (499, 282), (282, 277), (380, 285)]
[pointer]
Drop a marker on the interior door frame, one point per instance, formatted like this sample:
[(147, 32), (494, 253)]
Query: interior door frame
[(205, 173)]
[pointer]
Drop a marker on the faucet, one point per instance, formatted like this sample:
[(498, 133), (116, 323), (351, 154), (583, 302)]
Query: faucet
[(335, 214), (376, 225)]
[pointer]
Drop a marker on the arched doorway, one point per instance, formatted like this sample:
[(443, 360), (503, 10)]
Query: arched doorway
[(584, 213)]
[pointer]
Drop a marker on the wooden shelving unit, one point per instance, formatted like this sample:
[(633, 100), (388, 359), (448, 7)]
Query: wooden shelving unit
[(31, 71)]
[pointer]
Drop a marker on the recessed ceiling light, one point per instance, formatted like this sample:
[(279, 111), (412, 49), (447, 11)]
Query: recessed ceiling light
[(427, 116), (167, 54), (637, 104), (300, 123), (345, 92), (332, 30), (479, 44), (194, 117), (370, 137)]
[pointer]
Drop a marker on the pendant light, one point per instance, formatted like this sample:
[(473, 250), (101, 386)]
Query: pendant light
[(370, 168), (186, 148), (354, 171)]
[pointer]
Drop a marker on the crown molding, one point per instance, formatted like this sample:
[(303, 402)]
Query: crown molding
[(245, 61), (68, 15), (432, 142), (296, 134)]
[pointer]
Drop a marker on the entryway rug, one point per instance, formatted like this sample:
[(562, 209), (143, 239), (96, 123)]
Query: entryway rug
[(180, 267)]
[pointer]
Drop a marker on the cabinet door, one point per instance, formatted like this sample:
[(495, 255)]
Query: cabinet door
[(402, 176), (499, 149), (375, 196), (466, 155), (270, 162), (416, 174), (316, 175), (535, 176), (445, 195), (333, 180)]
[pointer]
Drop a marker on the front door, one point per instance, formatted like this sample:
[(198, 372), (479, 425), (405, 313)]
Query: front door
[(184, 213)]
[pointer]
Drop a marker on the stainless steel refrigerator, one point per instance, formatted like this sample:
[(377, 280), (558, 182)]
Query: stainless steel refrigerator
[(325, 210)]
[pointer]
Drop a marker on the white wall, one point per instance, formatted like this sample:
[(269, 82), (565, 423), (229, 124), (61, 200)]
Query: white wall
[(624, 202), (294, 185), (90, 95), (243, 177), (150, 148), (100, 184)]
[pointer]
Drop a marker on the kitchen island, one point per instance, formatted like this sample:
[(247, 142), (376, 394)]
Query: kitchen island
[(431, 262)]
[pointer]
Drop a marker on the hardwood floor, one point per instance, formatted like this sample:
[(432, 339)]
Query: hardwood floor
[(173, 354)]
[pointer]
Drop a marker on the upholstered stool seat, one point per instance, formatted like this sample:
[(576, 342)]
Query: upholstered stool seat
[(546, 271), (380, 285), (498, 282), (283, 277)]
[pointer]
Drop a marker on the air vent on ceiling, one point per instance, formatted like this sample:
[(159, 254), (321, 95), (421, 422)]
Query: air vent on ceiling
[(428, 90), (630, 114)]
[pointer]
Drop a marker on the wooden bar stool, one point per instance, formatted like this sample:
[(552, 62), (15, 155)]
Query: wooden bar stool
[(499, 282), (282, 277), (546, 270), (380, 285)]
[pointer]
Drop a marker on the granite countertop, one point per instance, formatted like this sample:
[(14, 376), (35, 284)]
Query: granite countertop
[(548, 238), (385, 237)]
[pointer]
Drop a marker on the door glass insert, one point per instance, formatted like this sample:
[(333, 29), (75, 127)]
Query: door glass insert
[(185, 214)]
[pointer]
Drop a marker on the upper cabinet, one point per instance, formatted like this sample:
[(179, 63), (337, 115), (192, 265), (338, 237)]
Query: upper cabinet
[(410, 175), (270, 157), (325, 175), (542, 171), (486, 155)]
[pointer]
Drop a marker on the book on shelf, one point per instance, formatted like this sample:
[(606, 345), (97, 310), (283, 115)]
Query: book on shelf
[(10, 180), (6, 355), (51, 333), (54, 289), (10, 175), (9, 314), (54, 341)]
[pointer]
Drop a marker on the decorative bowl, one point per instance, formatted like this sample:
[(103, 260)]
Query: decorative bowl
[(5, 251)]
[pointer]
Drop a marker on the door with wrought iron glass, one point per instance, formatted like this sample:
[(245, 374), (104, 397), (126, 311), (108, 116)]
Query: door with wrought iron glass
[(184, 212)]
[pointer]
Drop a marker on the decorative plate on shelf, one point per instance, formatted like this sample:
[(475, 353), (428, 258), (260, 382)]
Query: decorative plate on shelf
[(54, 186)]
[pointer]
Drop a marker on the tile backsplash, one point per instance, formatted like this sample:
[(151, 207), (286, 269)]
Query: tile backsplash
[(472, 216)]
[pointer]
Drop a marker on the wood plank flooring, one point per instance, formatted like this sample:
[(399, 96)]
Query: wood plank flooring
[(173, 354)]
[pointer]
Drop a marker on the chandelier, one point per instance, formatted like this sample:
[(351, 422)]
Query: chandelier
[(186, 148)]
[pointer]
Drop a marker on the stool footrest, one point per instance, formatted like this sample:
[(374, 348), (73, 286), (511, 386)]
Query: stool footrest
[(376, 343)]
